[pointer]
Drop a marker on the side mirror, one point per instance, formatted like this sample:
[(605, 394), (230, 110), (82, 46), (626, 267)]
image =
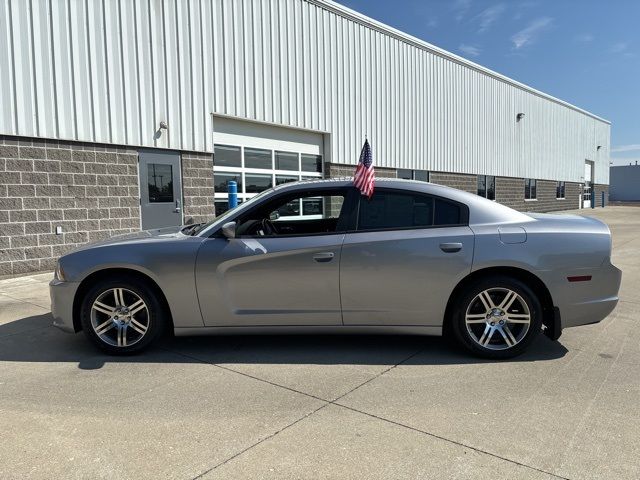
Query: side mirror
[(275, 215), (229, 230)]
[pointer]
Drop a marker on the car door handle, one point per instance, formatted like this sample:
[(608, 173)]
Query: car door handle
[(323, 257), (451, 247)]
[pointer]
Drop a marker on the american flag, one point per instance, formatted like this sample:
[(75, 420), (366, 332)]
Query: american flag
[(363, 179)]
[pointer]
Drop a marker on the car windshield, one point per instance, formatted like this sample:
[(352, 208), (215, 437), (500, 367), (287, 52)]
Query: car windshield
[(222, 218)]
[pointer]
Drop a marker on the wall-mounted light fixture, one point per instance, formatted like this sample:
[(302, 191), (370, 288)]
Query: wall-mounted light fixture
[(163, 125), (598, 147), (519, 117)]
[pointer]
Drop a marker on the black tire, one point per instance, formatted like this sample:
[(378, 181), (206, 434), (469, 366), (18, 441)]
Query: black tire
[(496, 321), (153, 317)]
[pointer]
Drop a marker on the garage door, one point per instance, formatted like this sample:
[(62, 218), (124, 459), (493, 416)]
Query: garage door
[(259, 156)]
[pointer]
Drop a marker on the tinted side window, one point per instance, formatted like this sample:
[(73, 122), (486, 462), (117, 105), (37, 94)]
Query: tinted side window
[(447, 213), (389, 210), (395, 210)]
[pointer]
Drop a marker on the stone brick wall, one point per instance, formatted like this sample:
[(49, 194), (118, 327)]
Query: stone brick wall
[(510, 192), (461, 181), (90, 191), (197, 187), (598, 189)]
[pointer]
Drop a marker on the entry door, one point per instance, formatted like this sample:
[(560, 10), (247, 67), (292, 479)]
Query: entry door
[(160, 189), (588, 184)]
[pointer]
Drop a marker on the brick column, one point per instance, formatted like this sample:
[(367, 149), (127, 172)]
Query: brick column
[(197, 185)]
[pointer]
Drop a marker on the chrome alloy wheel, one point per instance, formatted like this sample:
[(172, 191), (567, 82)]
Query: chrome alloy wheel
[(498, 318), (119, 317)]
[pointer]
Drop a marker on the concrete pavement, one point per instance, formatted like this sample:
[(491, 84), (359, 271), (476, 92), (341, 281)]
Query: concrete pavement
[(322, 407)]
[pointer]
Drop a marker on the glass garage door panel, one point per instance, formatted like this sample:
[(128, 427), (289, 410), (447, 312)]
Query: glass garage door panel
[(257, 183), (287, 161), (227, 156), (258, 169), (257, 158)]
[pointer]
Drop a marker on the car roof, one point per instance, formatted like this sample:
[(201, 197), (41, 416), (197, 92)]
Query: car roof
[(481, 210)]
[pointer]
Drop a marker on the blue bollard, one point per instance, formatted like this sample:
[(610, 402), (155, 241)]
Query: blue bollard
[(232, 189)]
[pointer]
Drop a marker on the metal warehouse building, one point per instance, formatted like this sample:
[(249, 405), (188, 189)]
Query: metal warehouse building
[(111, 111), (625, 183)]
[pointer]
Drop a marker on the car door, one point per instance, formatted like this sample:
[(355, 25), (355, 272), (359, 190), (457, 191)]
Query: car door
[(287, 279), (407, 254)]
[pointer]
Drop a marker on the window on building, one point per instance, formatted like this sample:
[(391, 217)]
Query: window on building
[(257, 158), (160, 180), (394, 210), (226, 156), (287, 161), (221, 181), (407, 174), (280, 179), (311, 163), (257, 183), (530, 192), (422, 175), (487, 186), (560, 190)]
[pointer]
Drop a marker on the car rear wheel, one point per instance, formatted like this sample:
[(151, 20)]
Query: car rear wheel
[(497, 317), (122, 316)]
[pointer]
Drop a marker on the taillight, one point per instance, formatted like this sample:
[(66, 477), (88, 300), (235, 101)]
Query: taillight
[(579, 278)]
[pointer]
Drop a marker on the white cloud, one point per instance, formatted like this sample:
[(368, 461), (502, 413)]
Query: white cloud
[(489, 16), (461, 7), (619, 47), (626, 148), (584, 38), (470, 50), (529, 34), (432, 23)]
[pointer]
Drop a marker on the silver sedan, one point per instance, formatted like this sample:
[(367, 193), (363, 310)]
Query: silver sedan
[(317, 257)]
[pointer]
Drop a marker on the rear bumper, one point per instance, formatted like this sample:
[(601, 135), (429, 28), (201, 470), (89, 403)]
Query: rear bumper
[(583, 303), (62, 295)]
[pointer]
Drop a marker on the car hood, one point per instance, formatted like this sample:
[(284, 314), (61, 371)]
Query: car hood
[(158, 234)]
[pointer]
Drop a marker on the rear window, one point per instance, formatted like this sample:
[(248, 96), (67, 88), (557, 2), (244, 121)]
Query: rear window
[(447, 213), (398, 210)]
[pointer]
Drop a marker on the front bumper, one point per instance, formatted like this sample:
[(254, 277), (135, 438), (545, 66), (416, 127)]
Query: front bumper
[(62, 295)]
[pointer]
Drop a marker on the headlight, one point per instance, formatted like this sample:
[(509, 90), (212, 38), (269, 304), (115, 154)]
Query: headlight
[(59, 273)]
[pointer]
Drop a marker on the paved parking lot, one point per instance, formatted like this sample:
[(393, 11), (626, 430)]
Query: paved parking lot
[(322, 407)]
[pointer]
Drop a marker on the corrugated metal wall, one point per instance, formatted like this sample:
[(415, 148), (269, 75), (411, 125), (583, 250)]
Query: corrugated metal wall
[(111, 70)]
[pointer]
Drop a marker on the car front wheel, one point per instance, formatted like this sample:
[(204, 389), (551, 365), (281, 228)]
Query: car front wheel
[(497, 317), (121, 316)]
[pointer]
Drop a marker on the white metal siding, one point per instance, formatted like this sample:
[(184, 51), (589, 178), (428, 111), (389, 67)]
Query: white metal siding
[(111, 70)]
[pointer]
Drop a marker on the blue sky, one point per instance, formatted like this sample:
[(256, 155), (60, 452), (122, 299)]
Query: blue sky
[(586, 52)]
